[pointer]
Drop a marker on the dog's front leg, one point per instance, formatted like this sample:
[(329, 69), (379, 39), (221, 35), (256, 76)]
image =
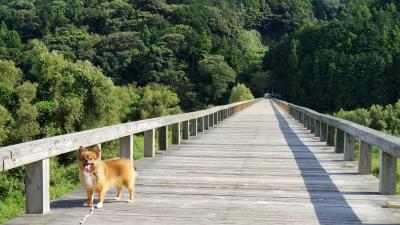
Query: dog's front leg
[(90, 196)]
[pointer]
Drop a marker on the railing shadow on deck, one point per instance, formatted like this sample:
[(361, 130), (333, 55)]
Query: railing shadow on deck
[(325, 214)]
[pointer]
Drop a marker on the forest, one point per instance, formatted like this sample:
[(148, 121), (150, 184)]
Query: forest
[(72, 65)]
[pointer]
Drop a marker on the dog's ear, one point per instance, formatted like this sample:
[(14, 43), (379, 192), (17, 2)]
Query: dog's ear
[(96, 149), (82, 149)]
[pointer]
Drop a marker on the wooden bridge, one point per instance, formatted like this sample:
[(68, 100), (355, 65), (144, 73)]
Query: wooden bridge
[(244, 163)]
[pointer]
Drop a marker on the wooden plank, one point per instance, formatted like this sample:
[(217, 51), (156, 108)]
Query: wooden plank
[(37, 187), (149, 143), (387, 174), (365, 158), (126, 147)]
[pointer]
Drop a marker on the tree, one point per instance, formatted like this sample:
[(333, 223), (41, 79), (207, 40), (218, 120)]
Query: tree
[(217, 76), (240, 93)]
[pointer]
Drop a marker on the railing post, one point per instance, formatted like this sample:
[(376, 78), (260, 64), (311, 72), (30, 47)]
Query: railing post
[(216, 118), (330, 141), (37, 187), (387, 173), (193, 127), (126, 147), (149, 143), (312, 125), (317, 128), (211, 120), (200, 124), (365, 158), (205, 120), (220, 116), (176, 133), (339, 141), (349, 145), (163, 138), (185, 130), (324, 131)]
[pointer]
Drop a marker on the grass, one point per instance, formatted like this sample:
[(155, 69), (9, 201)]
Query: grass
[(64, 178)]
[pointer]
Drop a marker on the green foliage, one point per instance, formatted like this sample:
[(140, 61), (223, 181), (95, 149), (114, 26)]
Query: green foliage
[(5, 125), (157, 100), (217, 76), (10, 75), (240, 93), (381, 118), (346, 63)]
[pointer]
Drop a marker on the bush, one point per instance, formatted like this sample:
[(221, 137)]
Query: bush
[(240, 93)]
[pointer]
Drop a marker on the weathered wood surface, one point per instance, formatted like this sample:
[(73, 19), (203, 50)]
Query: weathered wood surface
[(21, 154), (385, 142), (257, 167)]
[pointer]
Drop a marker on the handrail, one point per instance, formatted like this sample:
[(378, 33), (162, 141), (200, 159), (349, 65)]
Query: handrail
[(20, 154), (35, 154), (342, 133)]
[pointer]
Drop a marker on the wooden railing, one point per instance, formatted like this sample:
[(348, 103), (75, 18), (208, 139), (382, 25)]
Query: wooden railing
[(35, 154), (342, 134)]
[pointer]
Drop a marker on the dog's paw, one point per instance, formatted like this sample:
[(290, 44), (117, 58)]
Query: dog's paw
[(117, 198), (85, 204), (99, 205)]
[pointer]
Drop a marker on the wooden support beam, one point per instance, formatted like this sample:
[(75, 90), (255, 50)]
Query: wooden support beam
[(312, 125), (185, 130), (163, 138), (339, 141), (317, 128), (37, 187), (387, 174), (149, 143), (193, 127), (349, 147), (200, 124), (365, 158), (206, 121), (324, 132), (211, 120), (176, 133), (216, 120), (330, 140), (126, 147)]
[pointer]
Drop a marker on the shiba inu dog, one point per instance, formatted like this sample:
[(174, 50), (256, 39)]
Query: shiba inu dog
[(97, 176)]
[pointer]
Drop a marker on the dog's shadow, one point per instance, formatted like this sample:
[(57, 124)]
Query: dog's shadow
[(77, 203)]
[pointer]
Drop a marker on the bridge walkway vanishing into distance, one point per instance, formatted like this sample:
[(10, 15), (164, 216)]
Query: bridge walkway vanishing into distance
[(259, 166)]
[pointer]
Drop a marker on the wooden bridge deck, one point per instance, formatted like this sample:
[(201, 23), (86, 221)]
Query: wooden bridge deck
[(257, 167)]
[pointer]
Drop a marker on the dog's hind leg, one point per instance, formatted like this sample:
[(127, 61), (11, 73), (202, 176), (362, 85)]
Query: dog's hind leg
[(119, 192), (130, 185)]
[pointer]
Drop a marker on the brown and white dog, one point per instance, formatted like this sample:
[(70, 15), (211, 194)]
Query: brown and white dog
[(97, 176)]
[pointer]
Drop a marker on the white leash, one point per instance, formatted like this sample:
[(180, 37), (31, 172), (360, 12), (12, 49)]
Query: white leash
[(91, 210)]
